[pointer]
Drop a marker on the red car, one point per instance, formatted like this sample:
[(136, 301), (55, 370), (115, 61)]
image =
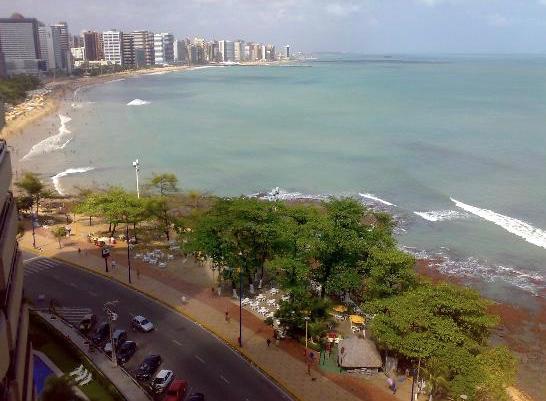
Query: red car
[(177, 391)]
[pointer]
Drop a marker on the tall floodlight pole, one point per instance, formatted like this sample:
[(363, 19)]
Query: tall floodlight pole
[(111, 315), (136, 165)]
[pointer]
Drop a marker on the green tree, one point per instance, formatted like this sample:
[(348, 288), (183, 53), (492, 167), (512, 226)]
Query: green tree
[(14, 89), (339, 243), (59, 389), (33, 187), (59, 233), (436, 375), (389, 272), (443, 323), (164, 184), (24, 203)]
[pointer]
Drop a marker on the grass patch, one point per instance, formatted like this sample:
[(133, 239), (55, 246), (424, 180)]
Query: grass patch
[(67, 357)]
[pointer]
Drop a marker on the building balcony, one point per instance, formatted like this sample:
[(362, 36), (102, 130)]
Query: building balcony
[(8, 242), (4, 348), (13, 297), (5, 170), (22, 353)]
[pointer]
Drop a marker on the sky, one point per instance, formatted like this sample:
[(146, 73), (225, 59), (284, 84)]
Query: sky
[(358, 26)]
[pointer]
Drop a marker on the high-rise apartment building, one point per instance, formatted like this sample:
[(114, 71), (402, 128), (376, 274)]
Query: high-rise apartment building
[(128, 50), (112, 46), (181, 52), (143, 43), (16, 362), (50, 47), (64, 39), (287, 51), (20, 44), (239, 51), (92, 44), (163, 48), (227, 50), (3, 72)]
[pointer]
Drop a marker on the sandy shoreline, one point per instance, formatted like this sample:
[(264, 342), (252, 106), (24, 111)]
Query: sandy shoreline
[(60, 89)]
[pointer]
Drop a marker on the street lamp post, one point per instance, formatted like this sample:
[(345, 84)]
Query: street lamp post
[(240, 308), (128, 251), (32, 220), (111, 316), (307, 318), (136, 165)]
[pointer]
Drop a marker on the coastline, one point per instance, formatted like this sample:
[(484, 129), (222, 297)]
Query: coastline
[(514, 319), (60, 89)]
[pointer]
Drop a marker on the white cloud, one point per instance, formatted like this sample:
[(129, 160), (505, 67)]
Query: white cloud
[(497, 20), (342, 9)]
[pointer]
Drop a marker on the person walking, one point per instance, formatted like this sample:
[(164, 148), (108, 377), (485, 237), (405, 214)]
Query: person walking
[(138, 274), (227, 316), (268, 342)]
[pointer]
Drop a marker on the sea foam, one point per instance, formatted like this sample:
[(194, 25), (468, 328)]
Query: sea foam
[(138, 102), (57, 178), (52, 143), (442, 215), (376, 199), (524, 230)]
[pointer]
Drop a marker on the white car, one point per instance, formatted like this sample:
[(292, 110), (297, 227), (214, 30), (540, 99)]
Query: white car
[(142, 324), (162, 381)]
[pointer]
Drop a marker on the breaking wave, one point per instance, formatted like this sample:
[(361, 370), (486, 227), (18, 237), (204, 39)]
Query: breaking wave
[(376, 199), (442, 215), (52, 143), (138, 102), (56, 178), (475, 268), (524, 230), (278, 194)]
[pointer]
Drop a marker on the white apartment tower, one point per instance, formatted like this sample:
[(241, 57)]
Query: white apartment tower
[(163, 48), (113, 46)]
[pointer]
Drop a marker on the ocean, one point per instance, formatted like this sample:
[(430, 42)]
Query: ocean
[(453, 146)]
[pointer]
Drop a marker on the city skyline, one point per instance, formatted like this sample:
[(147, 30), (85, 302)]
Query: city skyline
[(367, 26)]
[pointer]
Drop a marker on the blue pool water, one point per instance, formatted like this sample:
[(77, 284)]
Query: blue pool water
[(41, 373)]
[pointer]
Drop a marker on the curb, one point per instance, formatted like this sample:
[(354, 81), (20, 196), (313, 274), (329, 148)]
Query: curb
[(187, 315)]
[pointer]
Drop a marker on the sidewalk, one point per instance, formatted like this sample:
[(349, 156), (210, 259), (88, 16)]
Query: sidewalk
[(123, 382), (285, 363)]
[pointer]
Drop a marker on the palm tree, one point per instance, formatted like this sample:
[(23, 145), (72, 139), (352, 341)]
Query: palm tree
[(437, 374), (59, 389)]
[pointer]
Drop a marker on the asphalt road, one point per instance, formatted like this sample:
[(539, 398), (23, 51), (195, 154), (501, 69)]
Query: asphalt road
[(191, 352)]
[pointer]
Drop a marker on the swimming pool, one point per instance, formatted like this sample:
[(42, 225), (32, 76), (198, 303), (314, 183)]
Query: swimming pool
[(41, 373)]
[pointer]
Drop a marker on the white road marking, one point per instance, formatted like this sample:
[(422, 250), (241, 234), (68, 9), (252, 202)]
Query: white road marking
[(73, 285), (93, 294), (31, 259), (177, 342), (224, 379), (200, 359)]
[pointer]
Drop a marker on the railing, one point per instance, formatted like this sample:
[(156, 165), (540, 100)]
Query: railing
[(4, 213), (3, 149), (5, 295)]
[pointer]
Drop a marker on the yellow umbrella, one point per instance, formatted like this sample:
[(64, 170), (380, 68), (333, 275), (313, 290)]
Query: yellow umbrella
[(356, 319), (340, 308)]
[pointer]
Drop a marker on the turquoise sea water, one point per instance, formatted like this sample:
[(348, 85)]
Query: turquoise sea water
[(460, 140)]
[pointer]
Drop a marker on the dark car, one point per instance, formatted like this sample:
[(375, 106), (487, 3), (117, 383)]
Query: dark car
[(87, 323), (125, 351), (196, 397), (101, 334), (119, 337), (148, 367)]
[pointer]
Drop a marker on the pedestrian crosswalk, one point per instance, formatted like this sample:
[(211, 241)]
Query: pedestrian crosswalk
[(72, 315), (38, 265)]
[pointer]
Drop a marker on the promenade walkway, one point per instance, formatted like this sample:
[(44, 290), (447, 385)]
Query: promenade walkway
[(284, 363)]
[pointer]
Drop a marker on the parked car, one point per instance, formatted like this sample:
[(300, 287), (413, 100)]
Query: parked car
[(162, 380), (101, 334), (87, 323), (148, 367), (196, 397), (125, 351), (140, 323), (118, 337), (176, 391)]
